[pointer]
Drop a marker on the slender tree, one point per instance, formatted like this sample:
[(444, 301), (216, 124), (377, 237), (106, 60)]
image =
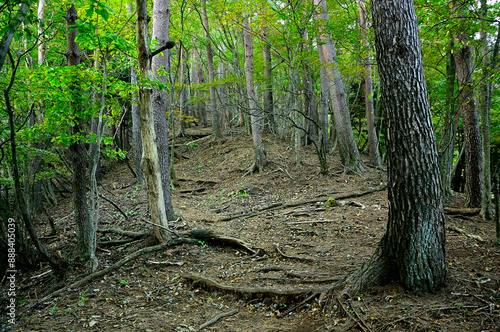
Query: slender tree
[(161, 68), (216, 116), (450, 125), (368, 88), (136, 120), (349, 153), (260, 159), (77, 148), (412, 250), (468, 107), (150, 158)]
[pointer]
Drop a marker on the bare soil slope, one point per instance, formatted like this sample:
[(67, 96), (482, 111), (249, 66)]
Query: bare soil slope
[(297, 247)]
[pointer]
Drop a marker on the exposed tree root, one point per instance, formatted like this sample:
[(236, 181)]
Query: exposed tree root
[(216, 318), (293, 256), (255, 291), (191, 237), (375, 271), (278, 206)]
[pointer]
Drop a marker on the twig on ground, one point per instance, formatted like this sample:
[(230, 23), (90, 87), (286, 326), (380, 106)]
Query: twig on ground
[(293, 256)]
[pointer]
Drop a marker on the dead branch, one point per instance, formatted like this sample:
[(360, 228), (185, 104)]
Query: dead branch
[(216, 318), (461, 231), (359, 321), (464, 212), (310, 222), (255, 291), (134, 235), (278, 206), (208, 235)]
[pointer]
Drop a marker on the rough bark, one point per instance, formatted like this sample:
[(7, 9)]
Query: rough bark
[(77, 148), (349, 153), (412, 250), (468, 107), (202, 107), (368, 89), (260, 159), (449, 129), (216, 117), (150, 158), (161, 68)]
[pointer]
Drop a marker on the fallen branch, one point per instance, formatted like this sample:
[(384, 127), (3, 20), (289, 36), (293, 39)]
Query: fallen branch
[(254, 290), (278, 206), (464, 212), (461, 231), (310, 222), (216, 318), (134, 235), (208, 235)]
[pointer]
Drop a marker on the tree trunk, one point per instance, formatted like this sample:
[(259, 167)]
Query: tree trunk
[(449, 129), (413, 247), (78, 151), (202, 107), (467, 106), (182, 92), (349, 153), (9, 33), (486, 93), (136, 121), (270, 123), (368, 89), (260, 159), (150, 151), (161, 68), (216, 117)]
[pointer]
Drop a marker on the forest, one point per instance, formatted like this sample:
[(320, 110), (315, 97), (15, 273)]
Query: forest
[(199, 165)]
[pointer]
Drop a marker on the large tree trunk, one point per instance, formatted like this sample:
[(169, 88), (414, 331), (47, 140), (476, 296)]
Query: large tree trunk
[(150, 151), (467, 106), (216, 116), (368, 89), (260, 159), (161, 68), (78, 151), (413, 247), (349, 153)]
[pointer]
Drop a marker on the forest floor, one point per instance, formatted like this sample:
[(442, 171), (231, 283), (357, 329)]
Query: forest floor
[(304, 247)]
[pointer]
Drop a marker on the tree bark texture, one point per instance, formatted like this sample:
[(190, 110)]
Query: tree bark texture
[(413, 247), (260, 159), (150, 158), (349, 153), (161, 69), (77, 148), (467, 106), (368, 89), (216, 116)]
